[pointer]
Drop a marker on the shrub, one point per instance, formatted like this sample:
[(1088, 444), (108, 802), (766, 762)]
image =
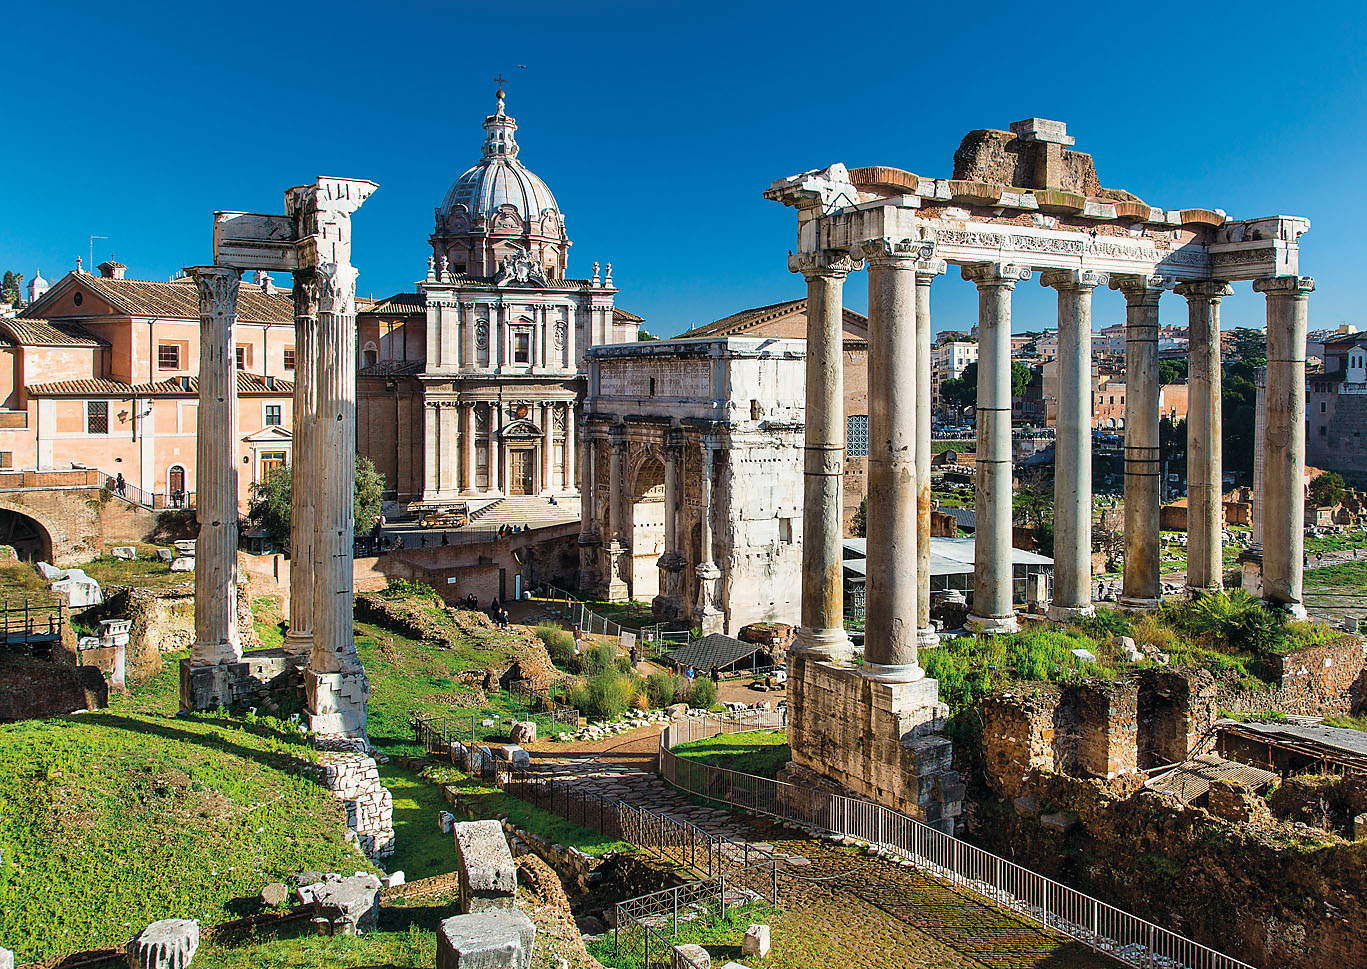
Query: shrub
[(406, 589), (624, 665), (577, 695), (704, 692), (1150, 631), (609, 695), (1106, 623), (660, 689), (598, 658), (559, 643)]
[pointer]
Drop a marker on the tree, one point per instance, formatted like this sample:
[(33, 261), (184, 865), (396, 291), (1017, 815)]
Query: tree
[(859, 519), (11, 288), (642, 335), (1172, 371), (270, 503), (1328, 489), (1033, 505), (1021, 375), (962, 391)]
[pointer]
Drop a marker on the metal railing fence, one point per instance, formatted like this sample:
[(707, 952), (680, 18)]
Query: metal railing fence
[(1105, 928), (651, 640)]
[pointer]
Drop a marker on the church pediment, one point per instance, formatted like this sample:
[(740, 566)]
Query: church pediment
[(272, 434), (521, 430)]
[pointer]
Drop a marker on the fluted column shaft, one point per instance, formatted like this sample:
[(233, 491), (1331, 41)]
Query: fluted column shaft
[(303, 461), (547, 446), (822, 634), (671, 500), (469, 447), (1073, 445), (571, 429), (1284, 440), (216, 433), (925, 275), (1142, 585), (588, 492), (1205, 511), (993, 609), (890, 598)]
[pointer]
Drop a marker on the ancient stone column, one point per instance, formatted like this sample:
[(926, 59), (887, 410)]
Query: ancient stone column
[(547, 446), (590, 535), (822, 634), (1205, 511), (430, 446), (926, 271), (706, 614), (571, 353), (1259, 452), (495, 447), (448, 454), (216, 494), (470, 446), (671, 562), (1073, 443), (571, 429), (890, 608), (616, 452), (1284, 446), (335, 683), (303, 462), (993, 608), (1142, 588), (616, 547)]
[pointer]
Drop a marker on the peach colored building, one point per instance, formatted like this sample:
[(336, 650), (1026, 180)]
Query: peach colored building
[(99, 371)]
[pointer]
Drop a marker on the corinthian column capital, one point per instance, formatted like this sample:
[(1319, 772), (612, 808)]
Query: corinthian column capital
[(825, 262), (1210, 290), (217, 287), (1077, 279), (337, 289), (1139, 289), (305, 293), (900, 253), (994, 274), (1287, 287)]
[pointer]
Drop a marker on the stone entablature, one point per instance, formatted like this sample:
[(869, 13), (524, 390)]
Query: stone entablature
[(692, 484)]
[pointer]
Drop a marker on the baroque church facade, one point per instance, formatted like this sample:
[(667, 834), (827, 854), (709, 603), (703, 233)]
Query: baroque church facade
[(471, 387)]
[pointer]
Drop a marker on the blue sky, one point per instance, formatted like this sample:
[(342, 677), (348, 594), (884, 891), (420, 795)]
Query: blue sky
[(659, 125)]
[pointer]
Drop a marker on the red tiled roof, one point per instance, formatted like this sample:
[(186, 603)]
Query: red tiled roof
[(404, 304), (738, 323), (247, 384), (23, 332), (179, 300), (392, 368), (622, 316)]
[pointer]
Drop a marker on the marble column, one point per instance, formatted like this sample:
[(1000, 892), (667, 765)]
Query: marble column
[(571, 429), (993, 608), (1284, 444), (1205, 508), (590, 533), (571, 354), (926, 271), (616, 548), (890, 607), (495, 482), (1142, 587), (216, 492), (470, 446), (547, 447), (822, 633), (668, 604), (1073, 443), (335, 683), (706, 615), (430, 448), (303, 462), (449, 453)]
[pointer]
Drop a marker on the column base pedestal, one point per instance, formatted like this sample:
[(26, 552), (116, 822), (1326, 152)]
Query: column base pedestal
[(709, 620), (336, 703), (992, 625), (824, 646), (901, 673), (1137, 604), (298, 644), (926, 636), (1068, 613), (267, 679)]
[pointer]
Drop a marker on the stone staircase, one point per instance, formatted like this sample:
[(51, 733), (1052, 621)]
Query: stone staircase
[(518, 510)]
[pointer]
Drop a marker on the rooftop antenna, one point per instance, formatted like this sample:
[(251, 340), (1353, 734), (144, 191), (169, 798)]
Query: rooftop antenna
[(92, 249)]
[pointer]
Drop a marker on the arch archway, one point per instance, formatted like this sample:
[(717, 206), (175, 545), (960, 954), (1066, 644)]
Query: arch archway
[(646, 526), (30, 539)]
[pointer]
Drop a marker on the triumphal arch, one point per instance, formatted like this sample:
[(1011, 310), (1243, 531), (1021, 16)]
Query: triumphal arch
[(312, 240), (1019, 205)]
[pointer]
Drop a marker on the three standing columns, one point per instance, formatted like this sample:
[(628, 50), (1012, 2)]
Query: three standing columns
[(993, 611), (1205, 506), (1284, 441), (216, 637), (1142, 585), (822, 635), (890, 602), (303, 461), (1073, 443)]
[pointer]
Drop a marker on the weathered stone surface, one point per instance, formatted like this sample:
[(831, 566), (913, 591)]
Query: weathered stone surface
[(394, 879), (445, 821), (168, 944), (756, 941), (486, 940), (512, 754), (488, 877), (1060, 821), (275, 894), (689, 957), (677, 711), (352, 904), (523, 732), (1360, 828), (6, 959)]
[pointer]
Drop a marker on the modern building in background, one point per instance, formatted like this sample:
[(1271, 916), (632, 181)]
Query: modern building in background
[(1336, 425)]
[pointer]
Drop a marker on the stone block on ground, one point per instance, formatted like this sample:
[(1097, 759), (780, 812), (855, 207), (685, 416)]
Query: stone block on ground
[(275, 894), (1060, 821), (689, 957), (394, 879), (523, 732), (6, 959), (352, 904), (1027, 806), (756, 942), (500, 939), (1360, 828), (512, 754), (487, 874), (445, 821), (677, 711), (168, 944)]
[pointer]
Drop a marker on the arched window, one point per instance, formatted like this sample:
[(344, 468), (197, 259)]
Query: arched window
[(370, 355)]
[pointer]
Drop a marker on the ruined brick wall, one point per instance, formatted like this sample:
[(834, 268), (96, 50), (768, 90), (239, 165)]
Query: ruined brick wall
[(1017, 736), (1322, 672), (33, 688), (1254, 891), (1177, 709), (353, 777)]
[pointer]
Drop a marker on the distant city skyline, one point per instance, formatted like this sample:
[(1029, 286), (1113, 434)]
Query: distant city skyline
[(658, 130)]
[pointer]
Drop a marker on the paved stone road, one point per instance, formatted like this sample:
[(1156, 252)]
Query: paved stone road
[(841, 907)]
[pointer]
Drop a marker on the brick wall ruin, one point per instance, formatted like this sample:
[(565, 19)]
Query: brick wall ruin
[(32, 688), (354, 779), (1313, 681)]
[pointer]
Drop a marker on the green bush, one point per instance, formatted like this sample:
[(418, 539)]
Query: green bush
[(660, 689), (1106, 623), (559, 643), (577, 696), (599, 658), (704, 692), (609, 695), (406, 589)]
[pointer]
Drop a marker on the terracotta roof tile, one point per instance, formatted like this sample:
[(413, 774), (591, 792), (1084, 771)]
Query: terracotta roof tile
[(247, 384), (179, 300), (739, 323), (622, 316), (45, 333), (401, 303), (392, 368)]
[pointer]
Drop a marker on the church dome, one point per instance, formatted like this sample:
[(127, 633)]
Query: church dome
[(498, 209)]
